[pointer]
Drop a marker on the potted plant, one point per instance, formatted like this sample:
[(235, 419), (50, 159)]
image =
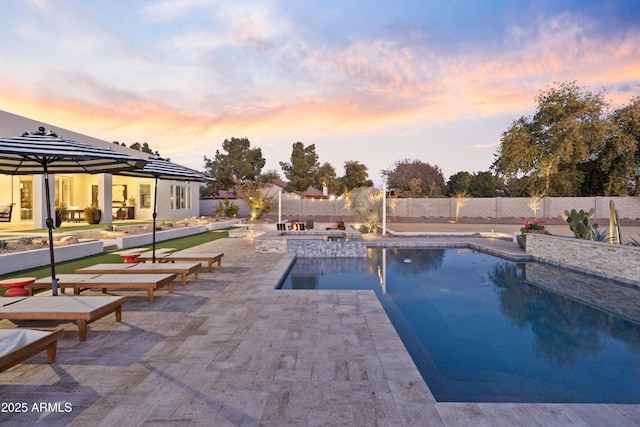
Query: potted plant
[(132, 201), (61, 214), (529, 227), (92, 215)]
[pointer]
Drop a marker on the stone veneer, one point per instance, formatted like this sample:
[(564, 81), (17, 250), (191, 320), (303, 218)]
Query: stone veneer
[(619, 262), (312, 243)]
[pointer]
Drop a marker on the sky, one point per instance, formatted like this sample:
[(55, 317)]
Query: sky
[(370, 81)]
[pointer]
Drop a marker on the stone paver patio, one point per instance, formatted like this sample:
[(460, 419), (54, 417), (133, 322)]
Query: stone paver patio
[(229, 350)]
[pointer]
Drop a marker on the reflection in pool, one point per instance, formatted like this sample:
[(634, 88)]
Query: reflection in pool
[(483, 329)]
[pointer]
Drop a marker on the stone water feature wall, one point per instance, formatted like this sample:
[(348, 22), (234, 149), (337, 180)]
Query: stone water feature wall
[(619, 262), (312, 244)]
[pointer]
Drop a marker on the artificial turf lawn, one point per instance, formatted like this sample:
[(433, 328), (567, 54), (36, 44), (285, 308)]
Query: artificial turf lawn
[(69, 267)]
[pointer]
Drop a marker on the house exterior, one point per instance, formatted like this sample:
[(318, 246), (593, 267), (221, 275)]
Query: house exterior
[(118, 197)]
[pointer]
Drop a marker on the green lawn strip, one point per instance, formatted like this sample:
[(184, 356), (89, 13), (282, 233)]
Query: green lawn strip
[(83, 227), (69, 267)]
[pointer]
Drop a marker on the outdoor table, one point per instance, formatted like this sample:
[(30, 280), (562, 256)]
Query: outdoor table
[(130, 258), (16, 286)]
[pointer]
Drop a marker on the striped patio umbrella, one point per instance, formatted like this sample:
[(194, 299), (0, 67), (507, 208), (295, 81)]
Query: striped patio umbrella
[(43, 152), (158, 168)]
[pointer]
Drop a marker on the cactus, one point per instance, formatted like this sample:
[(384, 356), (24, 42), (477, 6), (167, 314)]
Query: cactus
[(580, 225), (614, 224)]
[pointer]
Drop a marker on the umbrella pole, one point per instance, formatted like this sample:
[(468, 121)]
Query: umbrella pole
[(155, 214), (54, 279)]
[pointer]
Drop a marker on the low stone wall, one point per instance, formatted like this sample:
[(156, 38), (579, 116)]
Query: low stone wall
[(145, 239), (40, 257), (313, 244), (619, 262)]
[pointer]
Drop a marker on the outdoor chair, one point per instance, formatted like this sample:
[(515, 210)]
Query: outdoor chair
[(5, 213)]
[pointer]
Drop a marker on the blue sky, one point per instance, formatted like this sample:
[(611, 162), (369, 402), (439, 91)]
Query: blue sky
[(375, 82)]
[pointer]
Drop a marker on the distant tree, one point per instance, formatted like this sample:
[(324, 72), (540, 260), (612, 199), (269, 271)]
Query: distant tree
[(458, 183), (267, 177), (144, 147), (568, 127), (327, 176), (486, 184), (239, 165), (355, 175), (399, 178), (302, 170)]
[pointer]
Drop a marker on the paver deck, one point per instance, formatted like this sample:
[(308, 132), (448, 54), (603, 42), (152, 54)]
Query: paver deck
[(230, 350)]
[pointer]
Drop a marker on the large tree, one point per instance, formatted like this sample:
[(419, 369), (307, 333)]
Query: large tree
[(355, 175), (239, 164), (302, 170), (413, 178), (568, 127), (615, 170)]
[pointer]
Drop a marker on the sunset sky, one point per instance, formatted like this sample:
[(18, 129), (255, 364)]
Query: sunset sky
[(371, 81)]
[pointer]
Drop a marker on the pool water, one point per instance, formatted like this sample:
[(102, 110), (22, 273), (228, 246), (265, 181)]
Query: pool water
[(481, 329)]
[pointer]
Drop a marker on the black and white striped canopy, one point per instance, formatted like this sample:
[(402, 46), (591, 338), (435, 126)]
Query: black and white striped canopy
[(164, 169), (30, 153)]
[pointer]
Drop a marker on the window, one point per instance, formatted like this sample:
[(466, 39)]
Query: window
[(180, 197), (26, 198), (144, 192), (62, 190)]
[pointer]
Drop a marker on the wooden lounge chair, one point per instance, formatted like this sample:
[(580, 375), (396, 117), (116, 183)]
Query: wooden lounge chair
[(82, 309), (18, 345), (183, 256), (79, 282), (182, 268)]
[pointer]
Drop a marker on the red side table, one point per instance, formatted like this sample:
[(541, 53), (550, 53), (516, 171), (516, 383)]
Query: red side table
[(129, 258), (16, 286)]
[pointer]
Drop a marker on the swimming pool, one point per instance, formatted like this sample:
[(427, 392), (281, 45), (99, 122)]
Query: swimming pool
[(483, 329)]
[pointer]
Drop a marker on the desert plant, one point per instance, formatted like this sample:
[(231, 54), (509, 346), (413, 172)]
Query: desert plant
[(580, 225), (3, 244), (367, 203), (534, 204), (25, 240), (228, 208), (600, 236), (461, 200), (258, 200), (92, 215), (219, 210), (614, 224)]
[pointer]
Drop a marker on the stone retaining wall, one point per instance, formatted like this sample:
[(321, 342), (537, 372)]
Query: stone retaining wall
[(145, 239), (619, 262), (10, 263)]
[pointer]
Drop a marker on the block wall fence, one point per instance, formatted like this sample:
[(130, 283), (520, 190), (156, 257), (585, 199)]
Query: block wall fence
[(445, 207)]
